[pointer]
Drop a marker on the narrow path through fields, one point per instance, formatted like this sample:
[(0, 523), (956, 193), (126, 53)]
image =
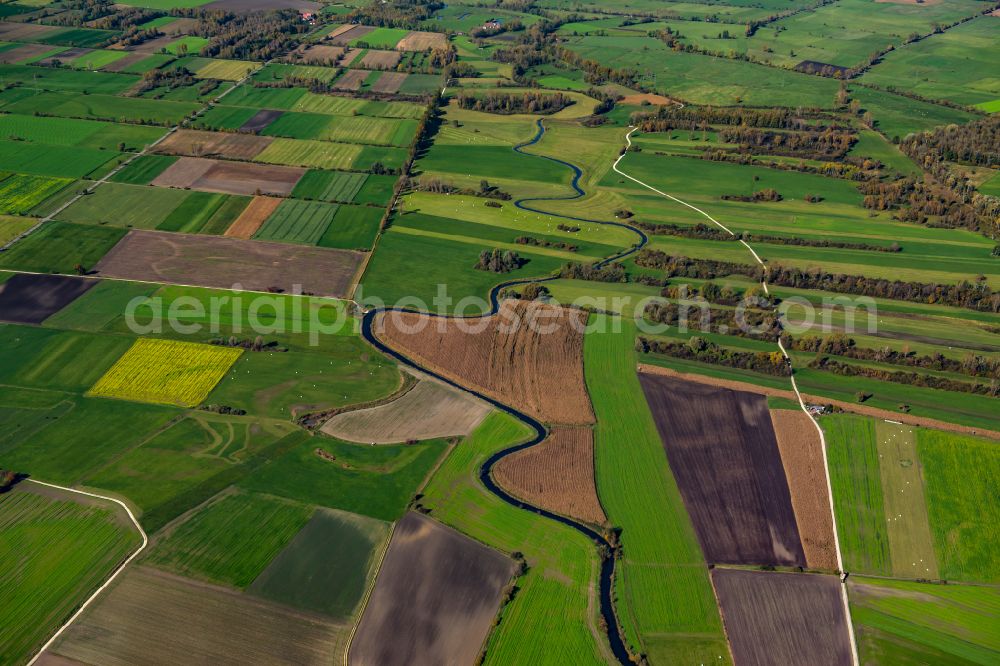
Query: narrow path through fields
[(111, 578), (802, 404)]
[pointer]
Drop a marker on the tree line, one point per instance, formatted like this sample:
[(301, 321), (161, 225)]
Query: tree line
[(508, 104), (699, 349)]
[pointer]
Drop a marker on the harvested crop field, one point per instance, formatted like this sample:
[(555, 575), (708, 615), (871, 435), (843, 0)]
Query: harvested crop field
[(166, 371), (210, 261), (249, 221), (24, 52), (429, 410), (375, 59), (529, 355), (389, 82), (557, 474), (317, 54), (151, 617), (24, 32), (347, 33), (802, 458), (351, 80), (260, 120), (435, 598), (197, 143), (783, 618), (198, 173), (422, 41), (724, 455), (31, 299)]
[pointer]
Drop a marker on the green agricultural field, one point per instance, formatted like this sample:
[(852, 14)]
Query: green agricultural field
[(204, 213), (551, 614), (318, 154), (46, 358), (896, 115), (144, 169), (283, 385), (216, 68), (374, 481), (20, 193), (858, 496), (329, 186), (902, 622), (96, 59), (186, 44), (381, 38), (298, 222), (104, 107), (327, 567), (52, 78), (55, 552), (210, 544), (224, 117), (58, 247), (960, 474), (665, 599), (128, 206), (378, 190), (353, 228), (55, 161), (267, 98), (167, 372), (12, 227)]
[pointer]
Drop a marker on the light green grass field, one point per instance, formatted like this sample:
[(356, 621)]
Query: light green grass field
[(298, 222), (57, 247)]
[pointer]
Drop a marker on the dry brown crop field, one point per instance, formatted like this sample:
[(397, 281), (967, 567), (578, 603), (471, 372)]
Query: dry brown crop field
[(317, 54), (802, 458), (351, 80), (724, 455), (435, 598), (510, 356), (345, 34), (152, 617), (31, 299), (249, 221), (389, 82), (381, 59), (557, 474), (217, 261), (429, 410), (198, 143), (421, 41), (198, 173), (783, 618)]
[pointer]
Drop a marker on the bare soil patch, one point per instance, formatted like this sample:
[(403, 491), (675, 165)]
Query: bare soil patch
[(260, 120), (529, 355), (198, 143), (181, 26), (343, 38), (151, 617), (783, 618), (435, 598), (638, 99), (351, 80), (430, 409), (381, 59), (319, 54), (819, 400), (557, 474), (229, 177), (154, 45), (25, 32), (389, 82), (24, 51), (724, 455), (802, 458), (421, 41), (217, 261), (339, 30), (249, 221), (31, 299)]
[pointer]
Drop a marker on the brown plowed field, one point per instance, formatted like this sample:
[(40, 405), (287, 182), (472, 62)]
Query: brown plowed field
[(208, 175), (343, 38), (351, 80), (389, 82), (217, 261), (724, 455), (197, 143), (648, 97), (154, 618), (317, 53), (528, 355), (122, 63), (381, 59), (557, 474), (260, 120), (31, 299), (783, 618), (24, 51), (249, 221), (434, 601), (908, 419), (24, 32), (421, 41), (430, 409), (802, 458), (339, 30)]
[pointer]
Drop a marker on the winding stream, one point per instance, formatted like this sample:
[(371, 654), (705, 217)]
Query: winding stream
[(614, 635)]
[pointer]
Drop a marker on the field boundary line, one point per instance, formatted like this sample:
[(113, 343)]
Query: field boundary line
[(111, 578), (368, 593), (826, 466)]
